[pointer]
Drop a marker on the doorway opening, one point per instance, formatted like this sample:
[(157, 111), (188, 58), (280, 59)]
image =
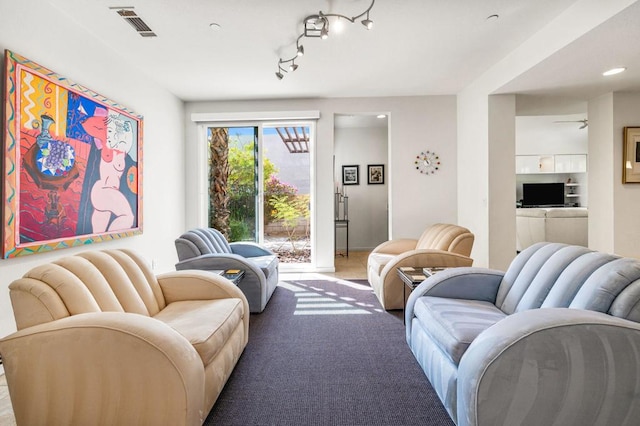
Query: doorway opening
[(260, 186)]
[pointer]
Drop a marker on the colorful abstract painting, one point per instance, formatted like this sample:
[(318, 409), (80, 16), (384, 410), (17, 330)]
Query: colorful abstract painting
[(72, 163)]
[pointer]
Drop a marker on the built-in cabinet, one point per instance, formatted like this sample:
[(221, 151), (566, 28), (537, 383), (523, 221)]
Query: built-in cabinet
[(568, 168), (559, 163)]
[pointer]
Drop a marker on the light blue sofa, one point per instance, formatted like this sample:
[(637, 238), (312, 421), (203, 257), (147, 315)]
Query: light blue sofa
[(207, 249), (554, 340)]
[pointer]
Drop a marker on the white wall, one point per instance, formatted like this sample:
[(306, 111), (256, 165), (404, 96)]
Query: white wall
[(502, 110), (613, 211), (545, 134), (601, 174), (626, 203), (416, 124), (39, 31), (368, 225)]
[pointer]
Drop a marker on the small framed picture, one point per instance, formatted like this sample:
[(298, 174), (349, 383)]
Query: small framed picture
[(351, 175), (376, 174)]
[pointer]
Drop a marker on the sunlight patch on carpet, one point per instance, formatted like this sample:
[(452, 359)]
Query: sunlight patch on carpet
[(314, 300)]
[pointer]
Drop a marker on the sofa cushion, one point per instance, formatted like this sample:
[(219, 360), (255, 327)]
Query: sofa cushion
[(377, 261), (455, 323), (206, 324), (267, 264)]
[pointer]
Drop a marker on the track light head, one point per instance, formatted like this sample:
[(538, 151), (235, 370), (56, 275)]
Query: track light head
[(368, 23), (324, 33), (279, 75), (300, 51), (293, 67)]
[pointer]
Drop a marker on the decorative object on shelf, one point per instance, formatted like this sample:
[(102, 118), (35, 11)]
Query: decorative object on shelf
[(341, 204), (351, 175), (427, 162), (317, 26), (631, 155), (376, 174), (72, 167)]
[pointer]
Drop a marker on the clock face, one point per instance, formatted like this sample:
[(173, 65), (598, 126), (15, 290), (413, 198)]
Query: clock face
[(427, 162)]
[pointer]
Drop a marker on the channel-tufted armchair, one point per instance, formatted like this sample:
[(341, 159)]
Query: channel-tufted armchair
[(207, 249), (553, 340), (103, 340), (441, 245)]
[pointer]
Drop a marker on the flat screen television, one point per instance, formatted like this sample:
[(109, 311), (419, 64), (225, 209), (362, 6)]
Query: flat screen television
[(543, 194)]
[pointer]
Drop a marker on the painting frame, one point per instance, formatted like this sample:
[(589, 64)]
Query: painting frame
[(631, 155), (72, 163), (375, 173), (351, 175)]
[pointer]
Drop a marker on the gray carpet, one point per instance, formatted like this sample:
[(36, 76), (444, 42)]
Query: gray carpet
[(325, 353)]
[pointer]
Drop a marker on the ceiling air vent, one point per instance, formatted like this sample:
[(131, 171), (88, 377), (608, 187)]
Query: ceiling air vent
[(135, 21)]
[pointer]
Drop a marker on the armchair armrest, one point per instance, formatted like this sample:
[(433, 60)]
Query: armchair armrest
[(429, 257), (552, 366), (217, 261), (196, 285), (113, 366), (201, 285), (397, 246), (471, 283), (249, 249)]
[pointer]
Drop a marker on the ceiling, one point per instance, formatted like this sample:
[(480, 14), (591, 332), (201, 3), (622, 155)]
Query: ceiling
[(576, 70), (416, 47)]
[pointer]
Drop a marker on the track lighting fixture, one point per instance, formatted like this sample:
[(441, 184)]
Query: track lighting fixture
[(317, 26)]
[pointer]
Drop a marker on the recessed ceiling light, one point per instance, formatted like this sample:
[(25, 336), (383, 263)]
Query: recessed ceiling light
[(493, 17), (214, 26), (614, 71)]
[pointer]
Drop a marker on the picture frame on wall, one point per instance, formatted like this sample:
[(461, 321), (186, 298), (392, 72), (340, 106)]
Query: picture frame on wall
[(72, 164), (631, 155), (376, 174), (351, 175)]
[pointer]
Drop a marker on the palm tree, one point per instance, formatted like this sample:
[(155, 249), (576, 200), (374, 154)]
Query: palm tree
[(218, 175)]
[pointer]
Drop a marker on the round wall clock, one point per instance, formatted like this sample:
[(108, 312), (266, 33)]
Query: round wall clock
[(427, 162)]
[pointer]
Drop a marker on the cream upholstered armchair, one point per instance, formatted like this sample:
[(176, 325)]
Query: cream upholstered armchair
[(441, 245), (102, 340)]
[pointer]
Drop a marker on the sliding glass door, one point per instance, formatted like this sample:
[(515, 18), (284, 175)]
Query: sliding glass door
[(260, 186)]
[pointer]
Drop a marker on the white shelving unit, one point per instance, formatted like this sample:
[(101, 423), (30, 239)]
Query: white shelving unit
[(572, 193)]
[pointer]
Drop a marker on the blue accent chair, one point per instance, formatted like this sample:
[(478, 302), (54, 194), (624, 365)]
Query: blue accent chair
[(207, 249), (554, 340)]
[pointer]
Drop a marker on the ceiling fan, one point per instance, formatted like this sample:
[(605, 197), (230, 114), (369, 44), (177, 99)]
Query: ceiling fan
[(584, 122)]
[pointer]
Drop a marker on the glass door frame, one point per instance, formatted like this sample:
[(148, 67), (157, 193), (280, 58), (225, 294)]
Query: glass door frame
[(203, 162)]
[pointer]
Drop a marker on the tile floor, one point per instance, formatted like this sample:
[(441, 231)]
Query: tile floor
[(352, 267)]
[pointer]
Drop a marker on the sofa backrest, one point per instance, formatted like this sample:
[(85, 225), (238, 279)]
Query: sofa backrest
[(549, 275), (197, 242), (447, 237), (93, 281)]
